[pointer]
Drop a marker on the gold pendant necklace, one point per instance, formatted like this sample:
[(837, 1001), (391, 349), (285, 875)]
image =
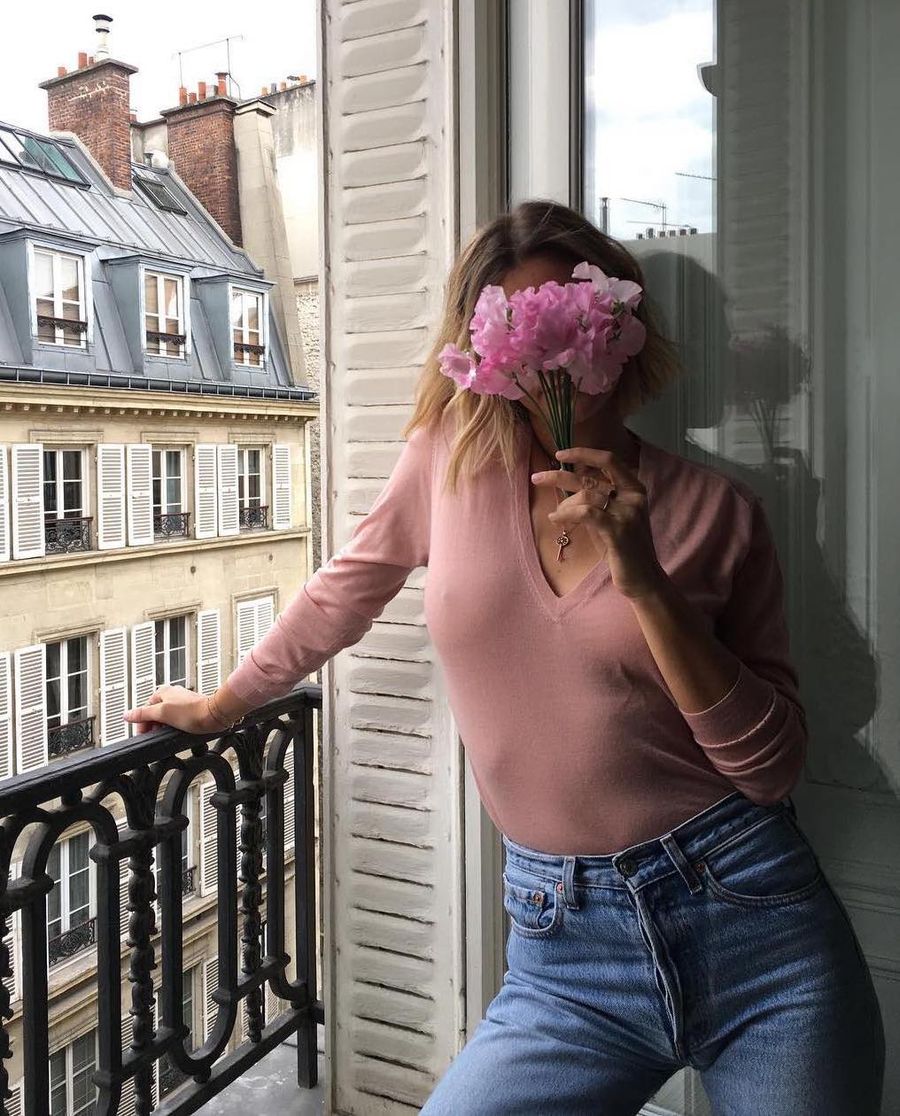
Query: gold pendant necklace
[(562, 540)]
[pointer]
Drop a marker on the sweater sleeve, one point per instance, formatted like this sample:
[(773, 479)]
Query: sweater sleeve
[(756, 735), (340, 602)]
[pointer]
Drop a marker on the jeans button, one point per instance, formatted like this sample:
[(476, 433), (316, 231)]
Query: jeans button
[(627, 866)]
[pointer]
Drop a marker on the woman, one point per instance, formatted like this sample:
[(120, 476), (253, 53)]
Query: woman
[(631, 714)]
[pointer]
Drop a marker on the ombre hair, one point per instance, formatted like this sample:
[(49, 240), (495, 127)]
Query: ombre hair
[(485, 425)]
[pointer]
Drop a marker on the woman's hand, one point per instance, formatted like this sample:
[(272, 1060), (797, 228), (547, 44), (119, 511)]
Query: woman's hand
[(176, 706), (621, 533)]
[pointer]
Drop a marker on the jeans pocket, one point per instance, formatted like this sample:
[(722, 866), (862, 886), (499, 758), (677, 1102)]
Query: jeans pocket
[(771, 864), (533, 906)]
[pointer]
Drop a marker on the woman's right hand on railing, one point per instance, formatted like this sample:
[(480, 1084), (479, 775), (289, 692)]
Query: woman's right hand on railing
[(179, 707)]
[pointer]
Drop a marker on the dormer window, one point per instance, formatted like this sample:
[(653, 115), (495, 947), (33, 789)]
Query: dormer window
[(164, 317), (59, 298), (248, 327)]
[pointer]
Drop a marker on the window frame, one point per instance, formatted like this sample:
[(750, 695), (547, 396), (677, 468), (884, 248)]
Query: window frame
[(68, 1050), (65, 875), (244, 474), (183, 307), (9, 157), (58, 452), (165, 621), (245, 362), (85, 303), (64, 673), (164, 477)]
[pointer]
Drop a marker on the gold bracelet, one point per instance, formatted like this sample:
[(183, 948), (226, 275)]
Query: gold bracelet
[(216, 717)]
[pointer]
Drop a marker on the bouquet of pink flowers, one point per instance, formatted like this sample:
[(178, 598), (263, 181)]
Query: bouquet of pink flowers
[(564, 338)]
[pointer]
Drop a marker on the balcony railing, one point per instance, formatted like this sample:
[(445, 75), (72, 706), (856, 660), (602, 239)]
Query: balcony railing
[(170, 525), (72, 941), (62, 740), (150, 776), (65, 536), (188, 886), (254, 516)]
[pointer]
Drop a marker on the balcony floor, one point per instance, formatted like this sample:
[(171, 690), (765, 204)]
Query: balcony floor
[(271, 1086)]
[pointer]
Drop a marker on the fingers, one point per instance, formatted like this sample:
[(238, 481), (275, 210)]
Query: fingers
[(605, 460)]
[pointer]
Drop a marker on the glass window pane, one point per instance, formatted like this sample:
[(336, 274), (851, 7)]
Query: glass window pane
[(151, 296), (72, 464), (53, 701), (68, 275), (43, 276), (58, 1099), (78, 852), (253, 314), (170, 295)]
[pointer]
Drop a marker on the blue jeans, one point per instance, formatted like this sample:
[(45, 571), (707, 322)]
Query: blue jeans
[(720, 945)]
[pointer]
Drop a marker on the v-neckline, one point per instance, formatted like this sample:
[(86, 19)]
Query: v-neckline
[(555, 606)]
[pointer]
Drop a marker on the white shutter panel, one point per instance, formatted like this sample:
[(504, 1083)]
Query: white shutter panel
[(209, 855), (209, 651), (28, 501), (110, 496), (205, 492), (140, 494), (5, 543), (289, 798), (128, 1100), (6, 719), (281, 486), (229, 520), (246, 627), (113, 686), (143, 664), (124, 874), (16, 1102), (210, 984), (265, 616), (13, 942), (31, 706)]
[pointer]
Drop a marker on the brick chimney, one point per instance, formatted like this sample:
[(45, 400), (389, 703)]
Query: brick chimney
[(94, 102), (202, 149)]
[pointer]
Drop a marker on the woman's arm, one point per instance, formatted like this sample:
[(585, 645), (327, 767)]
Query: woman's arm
[(738, 693)]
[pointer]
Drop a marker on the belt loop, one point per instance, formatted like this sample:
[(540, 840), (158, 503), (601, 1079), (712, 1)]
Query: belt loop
[(790, 805), (568, 883), (680, 861)]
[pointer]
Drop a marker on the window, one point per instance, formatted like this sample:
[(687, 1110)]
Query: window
[(72, 1092), (59, 298), (34, 153), (164, 314), (159, 193), (66, 526), (171, 651), (170, 1076), (169, 517), (68, 724), (70, 927), (252, 511), (247, 309)]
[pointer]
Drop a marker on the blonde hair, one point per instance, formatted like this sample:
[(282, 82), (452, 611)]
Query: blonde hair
[(485, 425)]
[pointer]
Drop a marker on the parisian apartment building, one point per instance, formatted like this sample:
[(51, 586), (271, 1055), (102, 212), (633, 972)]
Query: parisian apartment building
[(155, 479)]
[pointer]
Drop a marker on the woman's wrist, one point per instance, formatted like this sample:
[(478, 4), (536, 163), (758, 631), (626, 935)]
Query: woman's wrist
[(219, 718)]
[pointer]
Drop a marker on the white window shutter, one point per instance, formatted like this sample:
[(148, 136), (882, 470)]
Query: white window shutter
[(281, 486), (265, 615), (28, 501), (124, 874), (209, 651), (143, 664), (6, 718), (210, 984), (128, 1101), (110, 496), (206, 523), (15, 1103), (229, 519), (246, 627), (289, 798), (140, 494), (13, 944), (31, 706), (5, 540), (113, 686), (209, 853)]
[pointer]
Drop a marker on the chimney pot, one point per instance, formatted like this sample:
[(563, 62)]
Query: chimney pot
[(60, 71), (192, 98), (304, 78), (273, 88), (201, 90), (182, 95), (282, 86), (101, 26), (82, 59), (221, 87), (264, 91), (90, 60), (133, 116)]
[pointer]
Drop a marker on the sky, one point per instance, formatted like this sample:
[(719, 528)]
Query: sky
[(271, 41)]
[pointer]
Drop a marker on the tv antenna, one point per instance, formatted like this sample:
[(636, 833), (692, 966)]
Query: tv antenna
[(202, 46)]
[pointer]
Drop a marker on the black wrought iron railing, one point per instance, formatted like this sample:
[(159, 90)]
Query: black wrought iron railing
[(65, 536), (255, 516), (149, 777), (170, 525), (72, 941), (188, 886), (70, 737)]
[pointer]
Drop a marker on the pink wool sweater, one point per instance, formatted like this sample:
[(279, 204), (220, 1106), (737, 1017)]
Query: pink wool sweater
[(576, 743)]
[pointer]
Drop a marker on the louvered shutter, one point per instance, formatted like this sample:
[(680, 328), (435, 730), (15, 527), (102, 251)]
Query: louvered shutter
[(13, 942), (31, 706), (209, 855), (205, 492), (110, 496), (6, 718), (210, 984), (227, 471), (128, 1100), (209, 651), (143, 664), (124, 875), (140, 494), (28, 501), (5, 540), (113, 686), (246, 627), (289, 798), (265, 616), (16, 1102), (281, 486)]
